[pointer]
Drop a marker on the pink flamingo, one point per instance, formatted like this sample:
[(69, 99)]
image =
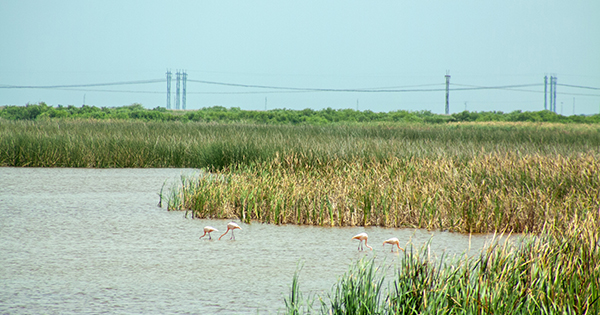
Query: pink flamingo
[(362, 237), (207, 230), (393, 241), (231, 226)]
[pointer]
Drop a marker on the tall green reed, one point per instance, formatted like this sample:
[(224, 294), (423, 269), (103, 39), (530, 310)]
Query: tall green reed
[(92, 143), (554, 272), (486, 194)]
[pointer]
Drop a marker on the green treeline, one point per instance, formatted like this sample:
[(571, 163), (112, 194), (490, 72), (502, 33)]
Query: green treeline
[(277, 116)]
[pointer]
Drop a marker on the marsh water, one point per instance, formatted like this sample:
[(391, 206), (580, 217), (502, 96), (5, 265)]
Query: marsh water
[(95, 241)]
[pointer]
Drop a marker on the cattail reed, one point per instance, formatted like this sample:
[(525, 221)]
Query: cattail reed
[(106, 143), (509, 192), (554, 272)]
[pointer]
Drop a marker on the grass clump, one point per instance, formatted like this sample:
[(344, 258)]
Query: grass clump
[(554, 272)]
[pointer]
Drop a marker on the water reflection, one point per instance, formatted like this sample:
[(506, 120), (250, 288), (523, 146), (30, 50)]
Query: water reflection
[(94, 240)]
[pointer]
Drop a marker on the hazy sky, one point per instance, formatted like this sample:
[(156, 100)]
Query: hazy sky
[(401, 45)]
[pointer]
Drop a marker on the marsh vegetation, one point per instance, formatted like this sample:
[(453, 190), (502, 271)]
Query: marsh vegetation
[(555, 272), (537, 178), (467, 177)]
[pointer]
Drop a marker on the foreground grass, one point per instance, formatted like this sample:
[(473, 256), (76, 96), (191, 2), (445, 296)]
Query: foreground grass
[(555, 272)]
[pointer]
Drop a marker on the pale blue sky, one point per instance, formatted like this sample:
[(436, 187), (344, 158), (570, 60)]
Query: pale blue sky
[(310, 44)]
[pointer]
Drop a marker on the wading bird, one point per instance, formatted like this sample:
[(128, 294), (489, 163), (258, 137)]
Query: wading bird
[(362, 237), (231, 226), (393, 241), (207, 230)]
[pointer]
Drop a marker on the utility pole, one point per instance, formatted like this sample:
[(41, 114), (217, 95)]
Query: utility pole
[(265, 103), (552, 102), (168, 89), (447, 92), (184, 94), (177, 91), (545, 92), (551, 108), (554, 96)]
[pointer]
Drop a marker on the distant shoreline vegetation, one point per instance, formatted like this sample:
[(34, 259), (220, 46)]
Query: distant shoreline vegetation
[(277, 116), (461, 176)]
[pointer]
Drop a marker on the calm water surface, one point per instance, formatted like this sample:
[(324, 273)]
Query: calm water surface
[(95, 241)]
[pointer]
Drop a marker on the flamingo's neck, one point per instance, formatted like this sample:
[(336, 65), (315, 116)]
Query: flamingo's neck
[(223, 234)]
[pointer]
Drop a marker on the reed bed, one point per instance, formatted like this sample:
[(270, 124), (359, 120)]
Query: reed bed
[(555, 272), (490, 192), (472, 177), (467, 177), (115, 143), (123, 144)]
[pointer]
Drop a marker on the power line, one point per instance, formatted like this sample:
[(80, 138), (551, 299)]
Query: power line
[(501, 87), (378, 90), (287, 89), (249, 92), (79, 85), (270, 92), (577, 94), (361, 90), (580, 86), (111, 91)]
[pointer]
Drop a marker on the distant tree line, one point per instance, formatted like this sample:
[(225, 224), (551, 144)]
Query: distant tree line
[(276, 116)]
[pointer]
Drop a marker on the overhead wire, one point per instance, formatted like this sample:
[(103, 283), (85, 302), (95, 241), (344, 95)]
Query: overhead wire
[(278, 91), (288, 89), (578, 86), (305, 89), (113, 91), (79, 85), (502, 87)]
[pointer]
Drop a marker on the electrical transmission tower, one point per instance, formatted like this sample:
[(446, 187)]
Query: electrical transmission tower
[(552, 93), (184, 77), (545, 92), (168, 89), (177, 91), (447, 93), (551, 87)]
